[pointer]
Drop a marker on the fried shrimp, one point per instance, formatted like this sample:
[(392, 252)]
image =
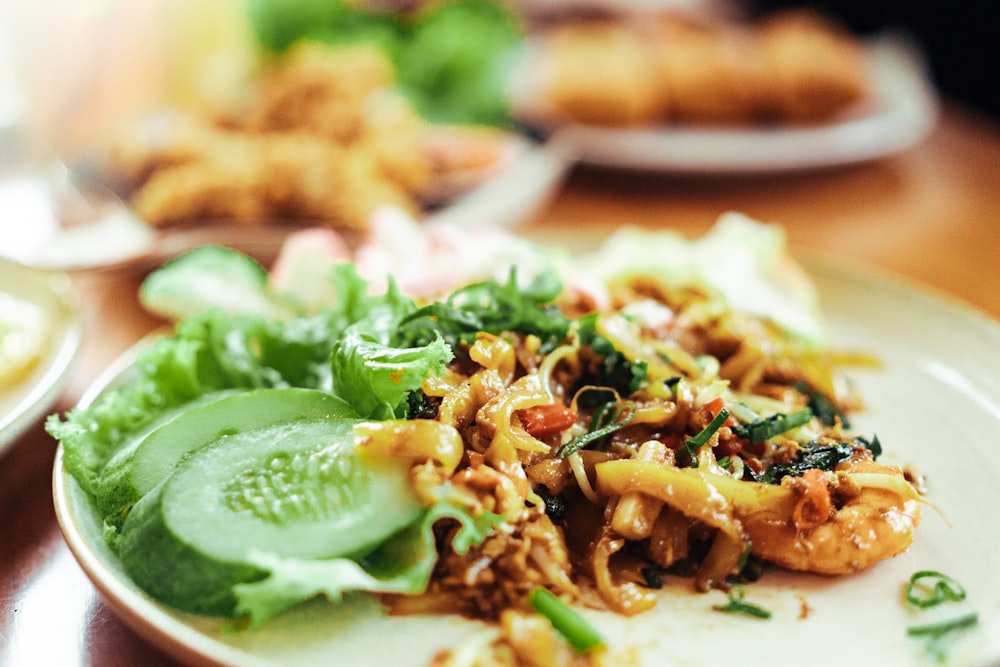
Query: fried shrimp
[(873, 515)]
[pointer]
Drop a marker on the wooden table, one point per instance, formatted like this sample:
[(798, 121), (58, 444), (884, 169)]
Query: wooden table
[(931, 214)]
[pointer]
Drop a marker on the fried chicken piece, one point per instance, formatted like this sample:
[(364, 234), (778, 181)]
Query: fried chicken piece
[(198, 191), (325, 138), (161, 143), (322, 90), (250, 178), (598, 72), (711, 75), (790, 67), (814, 69)]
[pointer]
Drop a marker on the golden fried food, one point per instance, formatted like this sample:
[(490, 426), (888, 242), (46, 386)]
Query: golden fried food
[(598, 72), (324, 137), (311, 91), (788, 67), (813, 70), (273, 176), (709, 75)]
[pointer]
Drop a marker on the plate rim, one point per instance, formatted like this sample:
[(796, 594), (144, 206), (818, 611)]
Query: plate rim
[(38, 394)]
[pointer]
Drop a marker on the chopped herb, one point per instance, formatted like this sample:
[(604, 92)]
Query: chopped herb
[(736, 605), (555, 507), (491, 307), (748, 569), (724, 462), (617, 372), (822, 407), (570, 624), (936, 634), (703, 436), (942, 628), (873, 445), (420, 406), (617, 422), (822, 457), (766, 428), (672, 381), (940, 589), (652, 576), (684, 567)]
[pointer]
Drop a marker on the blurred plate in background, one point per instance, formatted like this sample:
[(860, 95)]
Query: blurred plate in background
[(27, 397), (51, 220), (903, 111)]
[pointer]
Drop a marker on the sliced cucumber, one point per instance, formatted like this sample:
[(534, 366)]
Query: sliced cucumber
[(136, 470), (296, 490)]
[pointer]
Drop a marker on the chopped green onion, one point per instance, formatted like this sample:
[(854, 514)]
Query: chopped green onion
[(736, 605), (768, 427), (692, 444), (937, 630), (936, 635), (567, 622), (652, 576), (707, 432), (941, 589), (824, 409), (581, 441)]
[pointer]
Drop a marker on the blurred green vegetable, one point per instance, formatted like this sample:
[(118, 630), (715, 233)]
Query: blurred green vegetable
[(455, 62), (452, 57), (280, 23)]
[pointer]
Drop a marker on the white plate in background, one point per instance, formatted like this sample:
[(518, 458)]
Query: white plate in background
[(902, 112), (26, 400)]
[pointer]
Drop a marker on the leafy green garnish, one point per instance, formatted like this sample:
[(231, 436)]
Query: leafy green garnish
[(823, 456), (620, 417), (491, 307), (822, 407), (568, 622), (624, 376), (375, 379), (210, 277), (403, 564)]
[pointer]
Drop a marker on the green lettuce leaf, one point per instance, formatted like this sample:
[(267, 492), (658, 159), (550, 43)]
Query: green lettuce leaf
[(403, 564), (375, 379), (208, 277)]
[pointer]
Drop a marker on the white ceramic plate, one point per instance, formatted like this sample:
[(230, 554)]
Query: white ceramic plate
[(903, 111), (28, 399), (32, 233), (935, 405)]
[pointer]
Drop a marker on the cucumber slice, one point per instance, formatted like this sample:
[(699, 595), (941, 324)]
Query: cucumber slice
[(136, 470), (294, 490)]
